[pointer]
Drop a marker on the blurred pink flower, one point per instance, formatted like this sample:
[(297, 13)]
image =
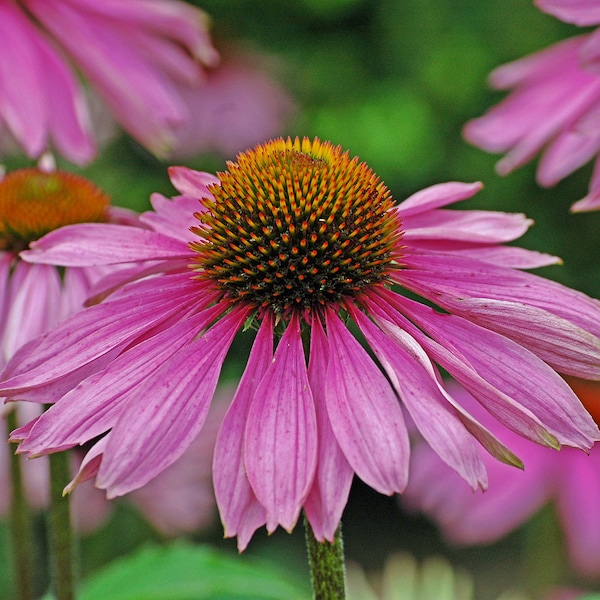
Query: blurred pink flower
[(553, 108), (135, 54), (580, 12), (34, 298), (238, 106), (295, 240), (570, 479)]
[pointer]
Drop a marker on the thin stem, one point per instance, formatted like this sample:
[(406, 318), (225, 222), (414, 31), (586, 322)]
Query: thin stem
[(20, 524), (60, 531), (327, 568)]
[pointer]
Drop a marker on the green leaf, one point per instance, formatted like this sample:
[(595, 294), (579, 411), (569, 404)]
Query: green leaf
[(187, 572)]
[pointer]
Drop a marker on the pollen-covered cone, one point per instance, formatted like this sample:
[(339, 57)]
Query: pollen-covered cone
[(569, 479), (302, 247)]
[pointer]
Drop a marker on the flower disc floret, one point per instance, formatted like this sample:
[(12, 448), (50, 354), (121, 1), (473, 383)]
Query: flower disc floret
[(34, 202), (297, 224)]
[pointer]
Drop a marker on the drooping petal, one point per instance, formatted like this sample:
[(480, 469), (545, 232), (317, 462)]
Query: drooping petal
[(143, 98), (95, 331), (517, 373), (90, 244), (281, 433), (364, 413), (88, 469), (33, 307), (22, 106), (93, 407), (167, 411), (514, 417), (412, 376), (559, 324), (329, 493), (241, 512), (69, 124)]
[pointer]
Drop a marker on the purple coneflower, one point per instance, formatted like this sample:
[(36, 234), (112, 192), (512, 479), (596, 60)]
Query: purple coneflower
[(34, 298), (569, 479), (303, 244), (553, 108), (137, 55)]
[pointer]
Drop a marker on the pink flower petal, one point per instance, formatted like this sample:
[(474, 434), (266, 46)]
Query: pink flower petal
[(143, 97), (520, 375), (580, 12), (33, 307), (437, 196), (93, 407), (240, 511), (192, 183), (70, 124), (413, 378), (364, 413), (559, 324), (281, 433), (505, 409), (23, 109), (90, 244), (473, 226), (502, 256), (167, 412), (88, 469), (329, 494), (592, 200), (96, 331), (172, 217)]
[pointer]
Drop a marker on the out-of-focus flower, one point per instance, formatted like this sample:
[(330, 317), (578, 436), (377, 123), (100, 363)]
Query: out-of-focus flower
[(238, 106), (403, 578), (33, 298), (553, 108), (297, 240), (137, 55), (570, 479), (579, 12)]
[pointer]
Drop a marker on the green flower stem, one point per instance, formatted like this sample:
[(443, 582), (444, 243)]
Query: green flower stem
[(20, 524), (60, 531), (327, 568)]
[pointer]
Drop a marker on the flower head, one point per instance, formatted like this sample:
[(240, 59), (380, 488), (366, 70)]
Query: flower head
[(136, 55), (553, 108), (303, 244), (34, 202), (569, 479)]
